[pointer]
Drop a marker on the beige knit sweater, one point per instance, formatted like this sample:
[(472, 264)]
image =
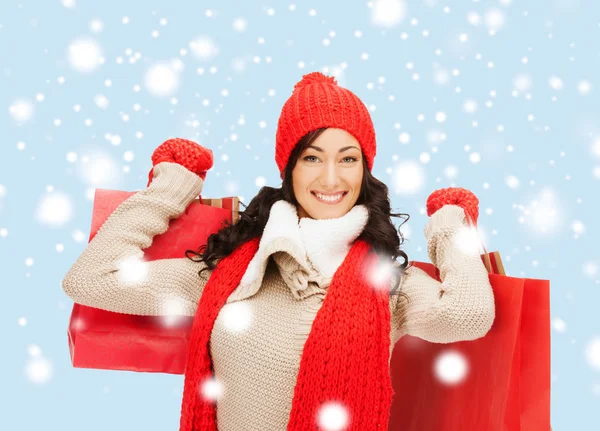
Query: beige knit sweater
[(257, 340)]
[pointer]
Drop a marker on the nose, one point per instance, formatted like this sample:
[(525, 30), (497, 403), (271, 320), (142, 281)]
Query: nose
[(329, 178)]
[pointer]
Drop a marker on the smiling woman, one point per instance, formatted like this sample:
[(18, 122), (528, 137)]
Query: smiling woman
[(315, 263), (325, 162), (328, 174)]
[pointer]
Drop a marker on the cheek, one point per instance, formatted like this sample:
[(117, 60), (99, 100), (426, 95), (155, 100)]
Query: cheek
[(299, 182), (355, 180)]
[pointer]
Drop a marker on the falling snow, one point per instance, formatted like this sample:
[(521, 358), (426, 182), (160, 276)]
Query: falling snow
[(95, 91), (54, 209), (21, 111), (85, 55), (388, 13), (203, 48), (451, 367), (162, 80)]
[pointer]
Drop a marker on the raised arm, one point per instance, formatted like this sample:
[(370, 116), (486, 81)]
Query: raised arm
[(109, 273), (459, 308)]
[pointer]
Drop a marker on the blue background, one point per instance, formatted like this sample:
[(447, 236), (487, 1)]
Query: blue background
[(543, 134)]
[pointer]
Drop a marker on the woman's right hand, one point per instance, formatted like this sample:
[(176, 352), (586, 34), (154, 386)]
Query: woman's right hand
[(184, 152)]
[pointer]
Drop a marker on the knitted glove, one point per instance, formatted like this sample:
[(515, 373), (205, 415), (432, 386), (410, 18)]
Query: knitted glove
[(460, 201), (454, 196), (184, 152)]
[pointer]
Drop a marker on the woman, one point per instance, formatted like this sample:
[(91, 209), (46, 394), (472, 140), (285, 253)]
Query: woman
[(289, 320)]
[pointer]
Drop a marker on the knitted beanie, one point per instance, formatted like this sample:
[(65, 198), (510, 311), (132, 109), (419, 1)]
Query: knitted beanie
[(318, 101)]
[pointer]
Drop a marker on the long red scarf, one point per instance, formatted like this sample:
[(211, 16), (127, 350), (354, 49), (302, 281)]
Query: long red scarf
[(345, 358)]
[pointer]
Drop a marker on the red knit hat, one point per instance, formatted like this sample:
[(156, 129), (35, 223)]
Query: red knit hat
[(318, 101)]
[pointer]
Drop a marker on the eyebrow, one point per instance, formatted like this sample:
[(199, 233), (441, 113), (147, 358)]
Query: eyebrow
[(321, 150)]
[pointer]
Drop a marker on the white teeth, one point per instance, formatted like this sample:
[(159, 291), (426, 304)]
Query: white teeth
[(329, 198)]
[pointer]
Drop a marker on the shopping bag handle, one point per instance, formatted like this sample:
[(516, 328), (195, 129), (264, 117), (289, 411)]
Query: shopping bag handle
[(472, 222)]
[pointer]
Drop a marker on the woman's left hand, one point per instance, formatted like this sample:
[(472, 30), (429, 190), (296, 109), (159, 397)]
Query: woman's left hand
[(454, 196)]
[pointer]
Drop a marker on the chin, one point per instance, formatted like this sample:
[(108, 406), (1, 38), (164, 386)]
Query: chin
[(328, 215)]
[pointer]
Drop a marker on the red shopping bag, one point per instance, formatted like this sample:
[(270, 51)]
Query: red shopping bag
[(113, 341), (507, 385)]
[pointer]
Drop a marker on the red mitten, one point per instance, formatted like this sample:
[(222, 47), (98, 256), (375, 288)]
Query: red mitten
[(454, 196), (188, 154)]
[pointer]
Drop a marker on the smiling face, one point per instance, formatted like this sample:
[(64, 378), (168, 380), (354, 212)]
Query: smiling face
[(328, 175)]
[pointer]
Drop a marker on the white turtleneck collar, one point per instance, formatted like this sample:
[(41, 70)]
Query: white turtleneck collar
[(305, 250)]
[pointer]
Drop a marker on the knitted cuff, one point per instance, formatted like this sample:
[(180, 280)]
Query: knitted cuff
[(176, 183), (449, 216)]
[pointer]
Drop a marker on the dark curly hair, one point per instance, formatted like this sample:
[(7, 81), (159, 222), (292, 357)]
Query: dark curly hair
[(379, 231)]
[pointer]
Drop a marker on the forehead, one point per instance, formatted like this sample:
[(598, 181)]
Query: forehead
[(332, 139)]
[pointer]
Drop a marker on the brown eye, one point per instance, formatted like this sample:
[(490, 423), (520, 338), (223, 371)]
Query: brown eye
[(309, 157), (352, 159)]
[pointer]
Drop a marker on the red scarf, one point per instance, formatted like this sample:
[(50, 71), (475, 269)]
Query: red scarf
[(345, 358)]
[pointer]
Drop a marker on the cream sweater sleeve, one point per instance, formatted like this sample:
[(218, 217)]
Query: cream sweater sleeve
[(110, 274), (459, 308)]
